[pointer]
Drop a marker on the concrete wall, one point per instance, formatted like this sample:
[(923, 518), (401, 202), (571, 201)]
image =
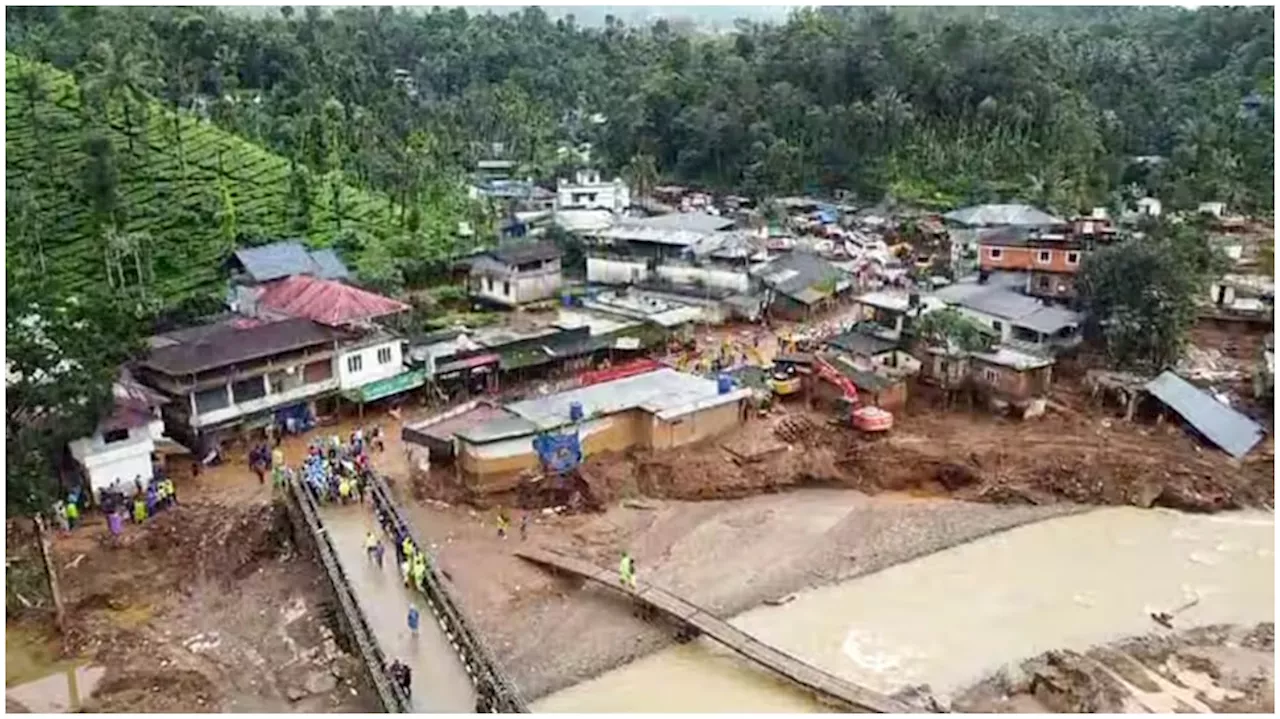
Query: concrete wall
[(695, 426), (1023, 259), (1057, 285), (738, 281), (1010, 383), (608, 271), (999, 324), (124, 460), (517, 288), (370, 369), (494, 466)]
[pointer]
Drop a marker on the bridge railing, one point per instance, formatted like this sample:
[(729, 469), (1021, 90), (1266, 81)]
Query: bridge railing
[(392, 698), (495, 692)]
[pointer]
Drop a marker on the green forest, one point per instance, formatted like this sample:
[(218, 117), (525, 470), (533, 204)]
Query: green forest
[(145, 144)]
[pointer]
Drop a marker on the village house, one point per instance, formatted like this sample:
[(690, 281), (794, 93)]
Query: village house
[(869, 350), (238, 373), (371, 360), (801, 284), (1241, 297), (494, 169), (995, 302), (1008, 379), (589, 192), (967, 226), (682, 250), (516, 273), (660, 409), (885, 314), (255, 265), (123, 445), (518, 196), (885, 390)]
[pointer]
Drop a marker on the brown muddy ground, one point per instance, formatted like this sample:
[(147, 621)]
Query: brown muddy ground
[(206, 608), (1076, 453), (1219, 669)]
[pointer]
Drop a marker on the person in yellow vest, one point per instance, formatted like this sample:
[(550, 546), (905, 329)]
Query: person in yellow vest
[(419, 570), (73, 515), (139, 509), (344, 489), (627, 571), (170, 491)]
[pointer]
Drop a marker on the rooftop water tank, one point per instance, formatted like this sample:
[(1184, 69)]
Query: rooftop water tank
[(724, 384), (575, 411)]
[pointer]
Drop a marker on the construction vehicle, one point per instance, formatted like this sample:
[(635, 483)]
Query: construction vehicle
[(869, 419), (787, 375)]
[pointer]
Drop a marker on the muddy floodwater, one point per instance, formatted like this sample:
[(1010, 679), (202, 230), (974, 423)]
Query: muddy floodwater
[(950, 618)]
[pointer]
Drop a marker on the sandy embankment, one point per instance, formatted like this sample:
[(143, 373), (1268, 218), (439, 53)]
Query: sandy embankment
[(727, 556)]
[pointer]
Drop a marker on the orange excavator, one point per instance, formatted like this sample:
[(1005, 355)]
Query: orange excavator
[(869, 418)]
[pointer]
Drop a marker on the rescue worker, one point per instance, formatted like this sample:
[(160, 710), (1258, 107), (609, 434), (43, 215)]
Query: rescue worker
[(370, 544), (73, 515), (139, 509), (406, 546), (627, 571), (503, 522), (406, 571), (419, 570), (344, 490)]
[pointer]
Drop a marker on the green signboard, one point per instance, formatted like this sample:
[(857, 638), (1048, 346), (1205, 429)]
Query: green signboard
[(386, 387)]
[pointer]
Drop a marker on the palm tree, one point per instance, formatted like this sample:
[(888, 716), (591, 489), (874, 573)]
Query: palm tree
[(110, 75)]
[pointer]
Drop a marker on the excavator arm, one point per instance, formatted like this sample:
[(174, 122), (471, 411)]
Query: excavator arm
[(866, 419)]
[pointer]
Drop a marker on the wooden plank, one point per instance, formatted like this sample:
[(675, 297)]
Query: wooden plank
[(807, 675)]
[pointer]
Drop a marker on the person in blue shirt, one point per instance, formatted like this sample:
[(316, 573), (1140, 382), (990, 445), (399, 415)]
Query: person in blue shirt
[(413, 619)]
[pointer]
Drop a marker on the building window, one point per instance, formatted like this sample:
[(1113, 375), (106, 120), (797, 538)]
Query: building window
[(384, 355), (211, 399), (1073, 258), (990, 375), (1044, 257), (506, 289), (996, 253), (115, 435), (355, 363), (997, 325), (249, 389), (1043, 282), (489, 283)]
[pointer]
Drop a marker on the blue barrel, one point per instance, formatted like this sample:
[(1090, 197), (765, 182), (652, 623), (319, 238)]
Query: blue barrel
[(566, 300), (575, 411), (724, 383)]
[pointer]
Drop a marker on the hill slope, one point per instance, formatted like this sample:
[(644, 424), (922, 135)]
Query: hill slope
[(179, 198)]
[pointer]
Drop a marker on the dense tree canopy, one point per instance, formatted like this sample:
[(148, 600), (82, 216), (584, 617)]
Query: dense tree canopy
[(934, 105), (1141, 295), (62, 354)]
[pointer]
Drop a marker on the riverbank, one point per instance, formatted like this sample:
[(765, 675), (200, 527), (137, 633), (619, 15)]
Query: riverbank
[(1222, 669), (728, 556), (946, 620)]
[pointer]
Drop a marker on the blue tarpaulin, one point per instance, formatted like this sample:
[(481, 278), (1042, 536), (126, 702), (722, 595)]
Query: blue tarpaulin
[(559, 453)]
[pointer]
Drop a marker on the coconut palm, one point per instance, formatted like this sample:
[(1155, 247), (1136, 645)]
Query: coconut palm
[(112, 76)]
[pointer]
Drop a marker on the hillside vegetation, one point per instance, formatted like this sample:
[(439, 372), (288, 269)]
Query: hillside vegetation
[(155, 212)]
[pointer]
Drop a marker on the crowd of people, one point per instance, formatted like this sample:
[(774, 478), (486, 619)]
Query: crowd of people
[(334, 471)]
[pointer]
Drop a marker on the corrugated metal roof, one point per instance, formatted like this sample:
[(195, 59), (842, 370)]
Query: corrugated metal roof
[(656, 391), (1235, 433), (231, 342), (1000, 215), (326, 301), (797, 272), (1010, 305), (282, 259), (682, 221), (331, 267)]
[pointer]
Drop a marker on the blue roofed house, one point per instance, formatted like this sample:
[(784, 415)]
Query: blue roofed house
[(255, 265)]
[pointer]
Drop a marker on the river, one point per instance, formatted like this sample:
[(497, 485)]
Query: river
[(951, 618)]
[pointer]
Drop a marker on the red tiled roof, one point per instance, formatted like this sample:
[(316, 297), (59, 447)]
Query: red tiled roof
[(325, 301)]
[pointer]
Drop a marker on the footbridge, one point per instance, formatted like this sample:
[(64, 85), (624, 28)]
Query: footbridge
[(453, 670), (850, 695)]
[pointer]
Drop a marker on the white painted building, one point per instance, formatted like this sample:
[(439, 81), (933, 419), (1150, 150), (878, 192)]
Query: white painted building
[(589, 192), (122, 446), (377, 358)]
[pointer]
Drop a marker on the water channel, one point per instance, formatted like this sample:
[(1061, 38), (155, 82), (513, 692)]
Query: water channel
[(950, 618)]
